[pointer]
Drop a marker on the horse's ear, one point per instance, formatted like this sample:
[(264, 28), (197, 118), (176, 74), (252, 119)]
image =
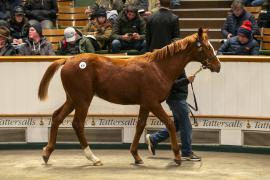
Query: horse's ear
[(200, 33)]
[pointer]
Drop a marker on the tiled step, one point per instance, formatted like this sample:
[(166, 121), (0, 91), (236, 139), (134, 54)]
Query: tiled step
[(188, 23), (212, 33), (205, 4), (202, 13)]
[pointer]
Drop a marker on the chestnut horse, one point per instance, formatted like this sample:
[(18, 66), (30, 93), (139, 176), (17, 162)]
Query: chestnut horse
[(145, 80)]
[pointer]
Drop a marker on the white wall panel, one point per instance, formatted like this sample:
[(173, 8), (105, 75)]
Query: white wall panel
[(239, 89)]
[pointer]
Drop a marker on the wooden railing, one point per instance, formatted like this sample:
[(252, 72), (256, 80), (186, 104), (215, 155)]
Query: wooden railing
[(222, 58)]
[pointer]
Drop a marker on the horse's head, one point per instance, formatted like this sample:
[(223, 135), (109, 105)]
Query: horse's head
[(205, 53)]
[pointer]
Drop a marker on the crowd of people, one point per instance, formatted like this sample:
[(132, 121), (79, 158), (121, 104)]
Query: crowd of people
[(116, 25)]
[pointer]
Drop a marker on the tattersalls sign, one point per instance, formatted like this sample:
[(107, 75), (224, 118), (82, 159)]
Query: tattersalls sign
[(131, 121)]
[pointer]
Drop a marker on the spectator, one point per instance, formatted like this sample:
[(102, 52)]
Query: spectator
[(264, 17), (112, 7), (36, 44), (6, 49), (18, 25), (253, 2), (100, 29), (6, 7), (129, 31), (42, 11), (162, 28), (140, 4), (75, 43), (235, 20), (242, 44)]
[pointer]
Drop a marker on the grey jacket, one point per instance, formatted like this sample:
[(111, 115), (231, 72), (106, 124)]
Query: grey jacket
[(234, 47), (42, 48)]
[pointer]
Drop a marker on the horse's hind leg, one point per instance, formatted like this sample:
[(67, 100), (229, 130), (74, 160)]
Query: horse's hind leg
[(78, 125), (143, 114), (159, 112), (57, 118)]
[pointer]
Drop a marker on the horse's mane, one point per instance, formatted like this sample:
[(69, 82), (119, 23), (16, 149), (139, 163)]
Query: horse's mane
[(170, 49)]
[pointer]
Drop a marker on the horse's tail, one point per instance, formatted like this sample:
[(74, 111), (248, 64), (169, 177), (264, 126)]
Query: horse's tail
[(44, 84)]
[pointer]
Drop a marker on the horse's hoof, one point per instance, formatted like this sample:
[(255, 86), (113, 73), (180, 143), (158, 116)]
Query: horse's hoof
[(98, 163), (177, 161), (45, 159), (139, 162)]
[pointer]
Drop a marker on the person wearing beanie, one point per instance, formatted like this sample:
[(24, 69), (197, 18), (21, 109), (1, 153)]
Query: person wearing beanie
[(236, 18), (42, 11), (18, 25), (99, 30), (36, 43), (75, 43), (6, 49), (242, 44)]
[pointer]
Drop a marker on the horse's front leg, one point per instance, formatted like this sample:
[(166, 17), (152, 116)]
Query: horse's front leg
[(159, 112), (143, 114)]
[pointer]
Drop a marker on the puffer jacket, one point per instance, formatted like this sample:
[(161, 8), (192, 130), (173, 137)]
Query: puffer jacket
[(232, 24), (233, 47), (41, 9), (42, 48), (122, 26)]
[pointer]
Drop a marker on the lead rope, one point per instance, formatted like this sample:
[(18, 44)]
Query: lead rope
[(195, 100)]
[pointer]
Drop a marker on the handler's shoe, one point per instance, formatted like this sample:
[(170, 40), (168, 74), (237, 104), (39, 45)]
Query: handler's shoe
[(191, 157), (150, 145)]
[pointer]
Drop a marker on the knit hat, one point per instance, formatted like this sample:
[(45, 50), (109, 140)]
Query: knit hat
[(245, 29), (37, 27), (100, 12), (4, 32)]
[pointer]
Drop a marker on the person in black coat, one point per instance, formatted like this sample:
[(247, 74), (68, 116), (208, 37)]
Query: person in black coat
[(18, 25), (42, 11), (162, 28)]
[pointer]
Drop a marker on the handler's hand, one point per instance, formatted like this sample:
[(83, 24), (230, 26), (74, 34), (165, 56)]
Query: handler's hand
[(191, 78)]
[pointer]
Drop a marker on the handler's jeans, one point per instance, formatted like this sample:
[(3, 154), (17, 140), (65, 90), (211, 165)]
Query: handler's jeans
[(182, 123)]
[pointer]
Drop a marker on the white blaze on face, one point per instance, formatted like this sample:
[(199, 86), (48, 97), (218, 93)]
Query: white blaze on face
[(213, 50)]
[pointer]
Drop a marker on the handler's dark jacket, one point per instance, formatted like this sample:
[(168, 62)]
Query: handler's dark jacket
[(179, 89), (232, 24), (122, 26), (234, 47), (162, 28), (41, 9)]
